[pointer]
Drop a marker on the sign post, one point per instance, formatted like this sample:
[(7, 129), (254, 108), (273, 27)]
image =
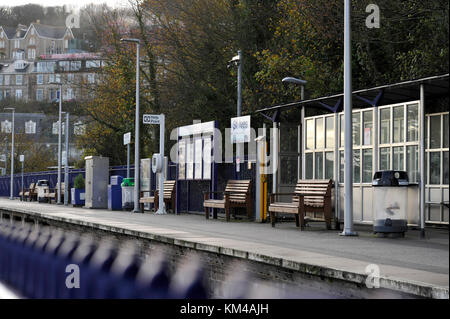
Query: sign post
[(158, 164), (126, 141), (240, 133), (22, 159)]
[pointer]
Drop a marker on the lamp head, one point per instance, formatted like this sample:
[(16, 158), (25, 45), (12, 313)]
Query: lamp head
[(130, 40), (294, 80)]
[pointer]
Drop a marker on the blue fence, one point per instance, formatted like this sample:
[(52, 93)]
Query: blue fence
[(191, 191), (52, 177)]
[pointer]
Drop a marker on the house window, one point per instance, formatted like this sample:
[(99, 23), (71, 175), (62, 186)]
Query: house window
[(70, 77), (32, 41), (40, 79), (39, 94), (55, 128), (32, 31), (7, 79), (91, 78), (69, 94), (1, 79), (66, 43), (16, 44), (19, 79), (2, 44), (51, 78), (79, 128), (18, 94), (6, 126), (30, 127)]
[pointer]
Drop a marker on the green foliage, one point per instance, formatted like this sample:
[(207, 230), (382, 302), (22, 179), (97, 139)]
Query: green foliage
[(78, 183)]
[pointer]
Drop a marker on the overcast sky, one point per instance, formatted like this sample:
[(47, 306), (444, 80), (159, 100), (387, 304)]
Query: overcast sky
[(72, 3)]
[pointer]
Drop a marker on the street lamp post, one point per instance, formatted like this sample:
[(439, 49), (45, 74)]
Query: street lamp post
[(59, 141), (136, 148), (348, 140), (237, 60), (59, 144), (66, 163), (11, 196)]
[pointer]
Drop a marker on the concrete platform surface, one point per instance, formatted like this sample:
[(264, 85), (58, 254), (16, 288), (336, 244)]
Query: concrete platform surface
[(410, 264)]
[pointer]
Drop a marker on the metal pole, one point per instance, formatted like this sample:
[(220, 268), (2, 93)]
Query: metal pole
[(348, 173), (66, 167), (275, 157), (136, 148), (300, 138), (422, 160), (161, 208), (128, 160), (239, 108), (59, 144), (12, 157), (239, 85), (22, 180)]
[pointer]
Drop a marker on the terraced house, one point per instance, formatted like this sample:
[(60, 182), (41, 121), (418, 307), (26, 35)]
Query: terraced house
[(35, 59)]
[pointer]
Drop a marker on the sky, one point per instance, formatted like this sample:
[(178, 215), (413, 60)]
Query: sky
[(73, 3)]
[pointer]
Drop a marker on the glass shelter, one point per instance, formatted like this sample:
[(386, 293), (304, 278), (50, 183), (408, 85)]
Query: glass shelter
[(388, 123)]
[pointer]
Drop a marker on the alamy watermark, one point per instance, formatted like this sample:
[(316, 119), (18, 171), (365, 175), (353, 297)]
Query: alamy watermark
[(73, 279), (373, 276), (373, 19)]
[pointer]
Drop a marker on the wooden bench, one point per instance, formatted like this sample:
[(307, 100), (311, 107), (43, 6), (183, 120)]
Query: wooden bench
[(33, 193), (52, 193), (169, 196), (238, 193), (310, 196), (26, 192)]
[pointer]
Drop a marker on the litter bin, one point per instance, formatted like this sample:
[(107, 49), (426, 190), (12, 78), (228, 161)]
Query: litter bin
[(41, 186), (127, 193), (115, 193), (390, 202)]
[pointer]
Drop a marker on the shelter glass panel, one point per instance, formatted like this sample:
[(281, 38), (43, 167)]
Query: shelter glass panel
[(385, 120), (319, 165), (356, 128), (368, 127), (435, 168), (399, 124), (329, 165), (435, 131), (320, 142), (385, 158), (309, 165), (310, 134), (445, 143), (398, 158), (412, 163), (356, 166), (413, 123), (329, 123), (367, 166)]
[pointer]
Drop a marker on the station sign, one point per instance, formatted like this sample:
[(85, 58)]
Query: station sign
[(151, 119), (126, 138), (240, 129)]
